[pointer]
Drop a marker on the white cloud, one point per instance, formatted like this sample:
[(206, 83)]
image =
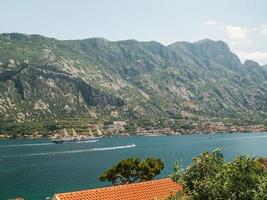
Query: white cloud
[(256, 29), (233, 32), (210, 23), (264, 29), (242, 37), (258, 56), (239, 42), (236, 32)]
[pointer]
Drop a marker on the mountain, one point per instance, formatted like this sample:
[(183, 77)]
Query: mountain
[(217, 52), (44, 78)]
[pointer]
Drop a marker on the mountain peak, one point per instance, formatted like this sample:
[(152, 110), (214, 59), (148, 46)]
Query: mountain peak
[(210, 41), (218, 45), (216, 51), (23, 36), (251, 63)]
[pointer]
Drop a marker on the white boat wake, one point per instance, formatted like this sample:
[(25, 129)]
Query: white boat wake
[(69, 152)]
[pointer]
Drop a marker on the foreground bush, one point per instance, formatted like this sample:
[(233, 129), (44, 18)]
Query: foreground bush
[(210, 177)]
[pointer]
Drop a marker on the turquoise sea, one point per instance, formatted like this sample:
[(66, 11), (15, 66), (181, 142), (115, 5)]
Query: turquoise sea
[(36, 169)]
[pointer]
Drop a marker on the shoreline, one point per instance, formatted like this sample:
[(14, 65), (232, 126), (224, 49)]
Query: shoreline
[(139, 135)]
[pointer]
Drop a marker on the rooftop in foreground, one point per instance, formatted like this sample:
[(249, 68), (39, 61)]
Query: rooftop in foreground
[(149, 190)]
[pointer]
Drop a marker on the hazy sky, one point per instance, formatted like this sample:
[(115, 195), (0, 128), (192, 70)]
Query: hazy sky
[(240, 23)]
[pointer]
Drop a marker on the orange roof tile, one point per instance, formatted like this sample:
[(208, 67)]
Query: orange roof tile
[(149, 190), (264, 162)]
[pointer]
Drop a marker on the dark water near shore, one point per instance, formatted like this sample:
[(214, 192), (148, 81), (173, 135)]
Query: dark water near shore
[(36, 169)]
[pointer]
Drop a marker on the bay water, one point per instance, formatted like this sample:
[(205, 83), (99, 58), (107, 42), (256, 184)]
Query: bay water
[(36, 169)]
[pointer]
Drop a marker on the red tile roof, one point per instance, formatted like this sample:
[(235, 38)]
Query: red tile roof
[(149, 190), (264, 162)]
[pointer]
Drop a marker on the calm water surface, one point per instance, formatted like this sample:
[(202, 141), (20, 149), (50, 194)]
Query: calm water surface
[(37, 169)]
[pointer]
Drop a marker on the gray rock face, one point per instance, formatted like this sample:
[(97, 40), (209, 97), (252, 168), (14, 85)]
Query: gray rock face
[(130, 78)]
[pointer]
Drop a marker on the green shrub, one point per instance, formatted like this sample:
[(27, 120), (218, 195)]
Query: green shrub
[(210, 177)]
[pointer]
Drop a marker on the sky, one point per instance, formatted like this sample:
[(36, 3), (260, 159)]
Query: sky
[(240, 23)]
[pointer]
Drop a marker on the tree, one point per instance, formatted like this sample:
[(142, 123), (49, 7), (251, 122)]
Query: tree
[(133, 170), (197, 178), (211, 177), (241, 178)]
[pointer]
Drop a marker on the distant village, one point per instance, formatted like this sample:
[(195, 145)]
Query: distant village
[(117, 128)]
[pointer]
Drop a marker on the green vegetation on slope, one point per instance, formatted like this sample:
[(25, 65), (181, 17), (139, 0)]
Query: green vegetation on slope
[(47, 79)]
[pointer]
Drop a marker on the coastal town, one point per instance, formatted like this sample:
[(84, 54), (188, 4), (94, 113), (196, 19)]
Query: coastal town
[(120, 128)]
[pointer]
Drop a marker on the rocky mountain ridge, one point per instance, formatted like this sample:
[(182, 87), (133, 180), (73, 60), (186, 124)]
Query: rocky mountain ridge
[(44, 78)]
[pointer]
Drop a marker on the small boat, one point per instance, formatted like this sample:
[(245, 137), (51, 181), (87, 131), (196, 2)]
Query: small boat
[(132, 145), (75, 138)]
